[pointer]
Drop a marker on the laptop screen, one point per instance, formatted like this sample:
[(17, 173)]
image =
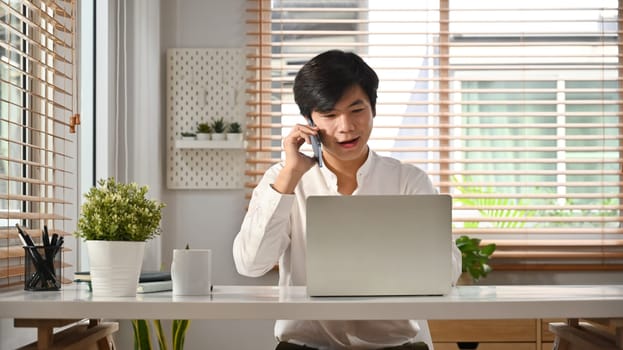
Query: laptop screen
[(379, 245)]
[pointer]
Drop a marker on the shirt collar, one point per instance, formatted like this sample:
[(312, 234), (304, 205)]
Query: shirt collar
[(368, 164), (365, 169)]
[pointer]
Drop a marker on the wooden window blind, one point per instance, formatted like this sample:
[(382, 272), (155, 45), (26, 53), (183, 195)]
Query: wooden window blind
[(37, 104), (512, 107)]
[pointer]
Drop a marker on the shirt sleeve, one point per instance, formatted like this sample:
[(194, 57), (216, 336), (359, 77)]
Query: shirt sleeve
[(457, 264), (265, 231), (416, 181)]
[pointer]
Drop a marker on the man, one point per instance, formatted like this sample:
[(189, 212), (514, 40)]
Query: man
[(335, 92)]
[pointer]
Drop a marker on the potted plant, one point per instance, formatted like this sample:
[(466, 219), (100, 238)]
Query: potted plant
[(142, 334), (218, 127), (188, 135), (203, 131), (115, 221), (234, 131), (475, 258)]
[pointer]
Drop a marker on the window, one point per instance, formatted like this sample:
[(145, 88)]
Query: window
[(36, 112), (511, 107)]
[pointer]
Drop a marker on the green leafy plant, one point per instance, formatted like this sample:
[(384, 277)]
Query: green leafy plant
[(142, 334), (204, 128), (115, 211), (218, 125), (234, 128), (188, 134), (474, 257)]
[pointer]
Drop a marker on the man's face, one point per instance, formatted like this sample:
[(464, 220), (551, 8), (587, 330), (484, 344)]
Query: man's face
[(345, 130)]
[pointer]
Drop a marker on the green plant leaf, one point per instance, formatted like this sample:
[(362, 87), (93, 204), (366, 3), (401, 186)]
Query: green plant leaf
[(116, 211), (179, 333), (474, 257), (234, 128), (204, 128), (162, 338), (488, 249), (142, 336), (218, 125)]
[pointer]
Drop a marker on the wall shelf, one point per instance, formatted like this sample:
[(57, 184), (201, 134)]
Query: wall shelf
[(209, 144), (202, 85)]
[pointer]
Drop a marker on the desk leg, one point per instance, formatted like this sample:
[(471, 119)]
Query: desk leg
[(45, 337)]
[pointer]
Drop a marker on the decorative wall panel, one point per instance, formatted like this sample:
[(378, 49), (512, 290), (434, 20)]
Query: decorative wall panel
[(204, 84)]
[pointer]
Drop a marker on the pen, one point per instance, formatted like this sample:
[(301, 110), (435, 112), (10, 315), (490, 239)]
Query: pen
[(21, 238), (58, 246), (48, 249), (24, 236), (54, 238), (45, 237)]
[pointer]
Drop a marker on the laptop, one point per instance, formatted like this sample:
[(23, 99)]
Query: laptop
[(379, 245)]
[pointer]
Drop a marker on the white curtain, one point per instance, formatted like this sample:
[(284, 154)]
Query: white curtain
[(136, 125)]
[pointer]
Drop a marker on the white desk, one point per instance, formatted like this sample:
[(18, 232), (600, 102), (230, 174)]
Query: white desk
[(266, 302)]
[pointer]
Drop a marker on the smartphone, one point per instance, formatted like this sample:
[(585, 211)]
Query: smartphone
[(316, 145)]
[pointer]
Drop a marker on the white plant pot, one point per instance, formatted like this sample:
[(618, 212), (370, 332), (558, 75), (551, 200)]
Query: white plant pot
[(237, 137), (218, 137), (203, 136), (115, 267)]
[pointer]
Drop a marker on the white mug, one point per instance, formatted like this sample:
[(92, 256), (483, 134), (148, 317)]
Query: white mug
[(191, 271)]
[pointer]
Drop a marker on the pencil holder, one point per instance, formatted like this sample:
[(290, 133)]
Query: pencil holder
[(42, 268)]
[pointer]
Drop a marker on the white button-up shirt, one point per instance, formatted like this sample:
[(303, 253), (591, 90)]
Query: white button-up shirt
[(274, 230)]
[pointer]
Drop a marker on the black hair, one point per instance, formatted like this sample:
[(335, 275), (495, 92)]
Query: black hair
[(322, 81)]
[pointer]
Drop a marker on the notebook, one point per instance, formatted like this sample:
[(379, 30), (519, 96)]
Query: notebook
[(379, 245)]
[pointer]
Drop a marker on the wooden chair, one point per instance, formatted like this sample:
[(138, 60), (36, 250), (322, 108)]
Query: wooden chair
[(590, 334), (85, 334)]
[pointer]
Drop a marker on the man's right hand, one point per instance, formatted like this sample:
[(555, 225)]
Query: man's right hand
[(296, 163)]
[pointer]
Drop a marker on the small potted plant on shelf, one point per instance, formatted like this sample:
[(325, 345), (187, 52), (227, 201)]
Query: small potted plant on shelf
[(188, 135), (203, 131), (116, 220), (234, 131), (475, 258), (218, 127)]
